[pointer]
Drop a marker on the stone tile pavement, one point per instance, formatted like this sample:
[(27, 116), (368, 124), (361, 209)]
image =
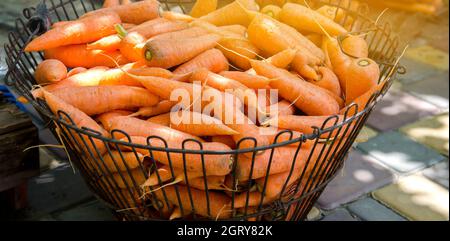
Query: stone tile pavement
[(399, 173)]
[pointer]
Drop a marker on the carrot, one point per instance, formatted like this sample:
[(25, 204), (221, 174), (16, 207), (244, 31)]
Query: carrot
[(283, 107), (328, 80), (118, 77), (271, 11), (212, 59), (60, 24), (303, 124), (282, 161), (186, 33), (337, 15), (263, 3), (273, 132), (136, 127), (306, 64), (213, 29), (215, 164), (80, 119), (90, 77), (198, 124), (125, 2), (75, 71), (213, 182), (251, 81), (307, 97), (105, 118), (272, 36), (306, 19), (315, 38), (131, 45), (135, 13), (77, 32), (237, 29), (163, 119), (161, 108), (214, 208), (276, 182), (250, 199), (239, 51), (227, 140), (120, 161), (169, 15), (282, 59), (355, 46), (164, 174), (249, 4), (127, 180), (233, 13), (356, 75), (169, 53), (203, 7), (110, 3), (100, 99), (108, 43), (78, 56), (363, 100), (50, 71)]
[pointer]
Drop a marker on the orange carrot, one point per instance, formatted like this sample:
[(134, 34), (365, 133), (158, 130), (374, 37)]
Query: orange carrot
[(283, 107), (80, 119), (249, 4), (355, 46), (120, 161), (198, 124), (124, 2), (213, 182), (127, 180), (136, 13), (186, 33), (263, 3), (110, 3), (136, 127), (251, 81), (307, 97), (215, 164), (239, 51), (328, 80), (131, 45), (119, 77), (180, 196), (78, 56), (282, 59), (105, 118), (275, 183), (169, 15), (100, 99), (50, 71), (306, 19), (90, 77), (282, 161), (363, 100), (169, 53), (203, 7), (303, 124), (60, 24), (227, 140), (161, 108), (271, 11), (164, 174), (306, 64), (237, 29), (252, 199), (233, 13), (108, 43), (163, 119), (212, 59), (315, 38), (76, 32), (75, 71)]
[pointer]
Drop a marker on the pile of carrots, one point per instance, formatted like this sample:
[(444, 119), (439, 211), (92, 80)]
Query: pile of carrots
[(115, 69)]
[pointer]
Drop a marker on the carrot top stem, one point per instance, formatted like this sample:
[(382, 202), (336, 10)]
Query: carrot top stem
[(121, 32), (363, 63), (148, 55)]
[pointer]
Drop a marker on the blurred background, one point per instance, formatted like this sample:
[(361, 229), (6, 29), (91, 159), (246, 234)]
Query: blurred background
[(399, 173)]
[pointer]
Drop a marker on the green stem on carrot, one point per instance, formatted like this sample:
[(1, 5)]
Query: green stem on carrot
[(121, 32)]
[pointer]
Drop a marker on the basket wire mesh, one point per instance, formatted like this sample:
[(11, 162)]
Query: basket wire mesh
[(121, 190)]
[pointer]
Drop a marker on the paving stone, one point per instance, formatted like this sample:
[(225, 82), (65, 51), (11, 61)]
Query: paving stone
[(339, 215), (434, 89), (54, 190), (361, 174), (432, 132), (400, 153), (438, 173), (368, 209), (91, 211), (314, 214), (416, 71), (366, 134), (428, 55), (398, 109), (416, 198)]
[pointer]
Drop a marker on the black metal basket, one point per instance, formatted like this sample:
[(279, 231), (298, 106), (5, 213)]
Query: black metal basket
[(121, 190)]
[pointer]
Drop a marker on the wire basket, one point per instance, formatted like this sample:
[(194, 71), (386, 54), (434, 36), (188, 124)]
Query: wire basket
[(121, 190)]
